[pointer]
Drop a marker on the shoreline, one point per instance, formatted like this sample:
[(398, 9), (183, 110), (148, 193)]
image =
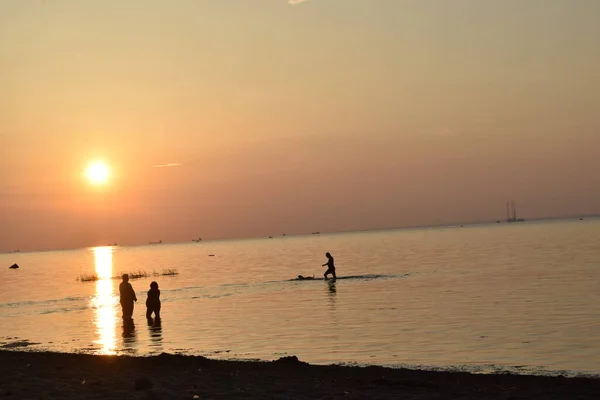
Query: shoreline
[(33, 374)]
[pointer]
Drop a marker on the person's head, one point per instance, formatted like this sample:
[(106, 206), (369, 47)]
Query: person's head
[(125, 278), (154, 285), (327, 255)]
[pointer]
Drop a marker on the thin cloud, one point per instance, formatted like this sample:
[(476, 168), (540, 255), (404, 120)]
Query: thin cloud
[(294, 2), (166, 165)]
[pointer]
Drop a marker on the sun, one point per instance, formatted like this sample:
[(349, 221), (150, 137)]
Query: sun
[(97, 173)]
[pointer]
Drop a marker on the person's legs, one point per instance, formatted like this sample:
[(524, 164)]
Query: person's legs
[(148, 313), (127, 310), (157, 313)]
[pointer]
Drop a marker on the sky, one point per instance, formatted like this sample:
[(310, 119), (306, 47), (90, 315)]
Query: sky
[(281, 116)]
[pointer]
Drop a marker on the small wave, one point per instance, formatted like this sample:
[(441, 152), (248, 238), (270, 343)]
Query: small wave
[(490, 369), (63, 310), (41, 302), (18, 344), (212, 296), (184, 289)]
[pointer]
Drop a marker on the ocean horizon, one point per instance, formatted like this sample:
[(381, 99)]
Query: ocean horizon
[(366, 230)]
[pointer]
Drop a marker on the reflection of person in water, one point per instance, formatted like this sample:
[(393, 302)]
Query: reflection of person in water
[(128, 330), (330, 266), (155, 330), (127, 297), (332, 289), (153, 302)]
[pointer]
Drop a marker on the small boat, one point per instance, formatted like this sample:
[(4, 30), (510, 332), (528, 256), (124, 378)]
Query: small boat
[(197, 240), (159, 242)]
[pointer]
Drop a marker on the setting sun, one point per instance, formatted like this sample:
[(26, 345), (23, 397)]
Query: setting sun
[(97, 173)]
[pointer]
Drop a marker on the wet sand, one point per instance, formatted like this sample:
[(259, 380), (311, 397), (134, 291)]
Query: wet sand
[(44, 375)]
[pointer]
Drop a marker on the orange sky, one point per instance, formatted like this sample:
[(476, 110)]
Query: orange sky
[(322, 116)]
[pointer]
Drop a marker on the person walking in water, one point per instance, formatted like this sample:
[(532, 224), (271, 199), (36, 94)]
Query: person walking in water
[(153, 302), (330, 266), (127, 297)]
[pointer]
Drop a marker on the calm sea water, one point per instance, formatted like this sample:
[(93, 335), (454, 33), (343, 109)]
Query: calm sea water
[(514, 296)]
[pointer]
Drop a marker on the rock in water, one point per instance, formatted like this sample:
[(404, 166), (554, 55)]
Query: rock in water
[(291, 360), (14, 266)]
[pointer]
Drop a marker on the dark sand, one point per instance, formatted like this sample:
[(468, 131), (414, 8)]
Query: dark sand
[(39, 375)]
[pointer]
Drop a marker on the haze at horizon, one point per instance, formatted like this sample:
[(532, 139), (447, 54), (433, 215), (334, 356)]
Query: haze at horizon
[(228, 119)]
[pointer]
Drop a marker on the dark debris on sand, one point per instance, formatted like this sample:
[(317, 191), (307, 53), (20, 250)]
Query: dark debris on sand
[(34, 375)]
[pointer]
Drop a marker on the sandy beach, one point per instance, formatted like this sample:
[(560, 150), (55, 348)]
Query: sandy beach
[(43, 375)]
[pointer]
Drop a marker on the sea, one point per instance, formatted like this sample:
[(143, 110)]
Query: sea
[(514, 297)]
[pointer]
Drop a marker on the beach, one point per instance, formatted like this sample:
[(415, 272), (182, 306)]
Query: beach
[(47, 375)]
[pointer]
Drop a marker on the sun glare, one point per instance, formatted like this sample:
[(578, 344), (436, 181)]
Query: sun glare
[(97, 173), (105, 302)]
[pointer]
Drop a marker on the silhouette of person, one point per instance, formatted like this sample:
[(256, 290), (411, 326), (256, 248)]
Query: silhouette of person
[(127, 297), (330, 266), (153, 302)]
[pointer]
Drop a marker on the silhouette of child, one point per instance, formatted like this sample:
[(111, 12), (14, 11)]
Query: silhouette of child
[(330, 266), (153, 301), (126, 297)]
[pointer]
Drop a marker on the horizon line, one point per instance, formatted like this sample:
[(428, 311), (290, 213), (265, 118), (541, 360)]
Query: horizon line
[(452, 224)]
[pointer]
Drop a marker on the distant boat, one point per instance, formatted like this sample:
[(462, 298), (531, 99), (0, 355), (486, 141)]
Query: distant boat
[(316, 233), (197, 240), (511, 212), (159, 242)]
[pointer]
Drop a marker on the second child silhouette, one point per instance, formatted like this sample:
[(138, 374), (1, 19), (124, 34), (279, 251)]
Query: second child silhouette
[(153, 301)]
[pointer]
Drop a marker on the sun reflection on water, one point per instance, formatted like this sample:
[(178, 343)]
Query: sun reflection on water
[(104, 301)]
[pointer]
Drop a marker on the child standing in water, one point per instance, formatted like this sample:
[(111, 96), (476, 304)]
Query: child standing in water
[(330, 266), (153, 301)]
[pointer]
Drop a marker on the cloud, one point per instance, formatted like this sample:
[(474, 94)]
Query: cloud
[(166, 165), (294, 2)]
